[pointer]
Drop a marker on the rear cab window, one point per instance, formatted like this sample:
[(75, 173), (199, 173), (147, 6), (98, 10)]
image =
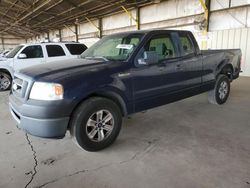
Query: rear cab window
[(76, 49), (186, 44), (163, 46), (55, 50)]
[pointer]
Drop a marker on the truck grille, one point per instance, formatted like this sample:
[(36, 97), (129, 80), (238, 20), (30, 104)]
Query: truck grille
[(19, 87)]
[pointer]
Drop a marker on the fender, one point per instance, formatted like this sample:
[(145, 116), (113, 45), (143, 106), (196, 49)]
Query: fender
[(222, 65), (8, 69), (116, 97), (109, 93)]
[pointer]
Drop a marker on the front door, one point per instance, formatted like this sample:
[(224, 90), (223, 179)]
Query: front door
[(33, 55), (153, 82)]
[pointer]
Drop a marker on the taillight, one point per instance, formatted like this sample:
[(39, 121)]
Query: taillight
[(241, 62)]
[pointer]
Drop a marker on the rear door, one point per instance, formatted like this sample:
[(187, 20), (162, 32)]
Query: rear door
[(76, 49), (55, 52), (190, 64)]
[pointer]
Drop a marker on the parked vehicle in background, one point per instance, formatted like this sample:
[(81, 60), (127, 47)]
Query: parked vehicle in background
[(3, 54), (26, 55), (119, 75)]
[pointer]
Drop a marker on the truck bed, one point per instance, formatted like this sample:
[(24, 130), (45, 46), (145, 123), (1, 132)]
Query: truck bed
[(231, 56)]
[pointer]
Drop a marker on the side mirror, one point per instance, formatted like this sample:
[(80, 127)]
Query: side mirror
[(149, 57), (22, 56)]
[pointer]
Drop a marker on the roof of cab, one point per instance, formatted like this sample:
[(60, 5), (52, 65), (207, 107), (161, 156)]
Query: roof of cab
[(150, 31), (44, 43)]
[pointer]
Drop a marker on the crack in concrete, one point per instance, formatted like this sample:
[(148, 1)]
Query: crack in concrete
[(75, 173), (144, 152), (34, 172)]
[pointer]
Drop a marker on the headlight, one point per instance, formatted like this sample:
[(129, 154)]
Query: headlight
[(46, 91)]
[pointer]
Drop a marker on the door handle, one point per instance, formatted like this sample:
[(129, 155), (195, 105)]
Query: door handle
[(161, 68), (178, 67)]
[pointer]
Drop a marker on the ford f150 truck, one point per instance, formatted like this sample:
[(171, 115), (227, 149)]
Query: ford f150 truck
[(26, 55), (121, 74)]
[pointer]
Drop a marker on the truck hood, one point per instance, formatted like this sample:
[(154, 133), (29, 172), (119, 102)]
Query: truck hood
[(4, 60), (62, 69)]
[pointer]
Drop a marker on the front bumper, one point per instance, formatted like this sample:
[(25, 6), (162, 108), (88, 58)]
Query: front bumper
[(33, 119)]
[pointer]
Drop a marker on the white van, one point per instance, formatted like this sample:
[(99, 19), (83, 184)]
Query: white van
[(26, 55)]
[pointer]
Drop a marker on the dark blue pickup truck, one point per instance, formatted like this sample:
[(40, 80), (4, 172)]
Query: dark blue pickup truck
[(121, 74)]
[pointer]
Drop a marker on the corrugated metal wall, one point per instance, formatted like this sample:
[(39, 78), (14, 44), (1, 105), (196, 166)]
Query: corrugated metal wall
[(232, 38)]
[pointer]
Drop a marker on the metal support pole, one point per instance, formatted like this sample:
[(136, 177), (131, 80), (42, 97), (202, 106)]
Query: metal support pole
[(73, 31), (48, 36), (94, 25), (138, 18), (206, 7), (132, 17), (60, 35), (100, 27), (203, 4), (76, 32), (3, 43)]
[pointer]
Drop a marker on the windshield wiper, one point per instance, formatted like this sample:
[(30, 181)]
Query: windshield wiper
[(96, 57)]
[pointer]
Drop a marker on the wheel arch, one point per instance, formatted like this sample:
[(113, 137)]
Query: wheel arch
[(112, 96), (105, 94), (225, 68), (7, 70)]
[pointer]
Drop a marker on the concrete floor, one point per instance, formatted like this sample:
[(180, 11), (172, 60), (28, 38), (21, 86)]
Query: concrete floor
[(188, 144)]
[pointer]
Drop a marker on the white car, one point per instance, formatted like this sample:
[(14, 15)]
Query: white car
[(26, 55), (3, 54)]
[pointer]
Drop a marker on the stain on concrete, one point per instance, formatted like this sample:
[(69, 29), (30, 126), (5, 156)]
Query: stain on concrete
[(49, 161), (28, 173)]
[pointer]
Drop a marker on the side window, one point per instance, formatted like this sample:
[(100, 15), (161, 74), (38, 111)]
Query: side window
[(33, 52), (159, 48), (54, 50), (163, 46), (186, 44), (76, 49)]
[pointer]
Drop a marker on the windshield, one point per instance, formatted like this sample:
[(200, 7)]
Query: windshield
[(13, 52), (115, 47)]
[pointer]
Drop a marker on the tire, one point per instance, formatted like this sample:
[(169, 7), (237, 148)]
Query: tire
[(5, 81), (90, 133), (220, 93)]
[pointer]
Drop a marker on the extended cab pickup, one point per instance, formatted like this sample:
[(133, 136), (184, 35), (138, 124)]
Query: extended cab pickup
[(26, 55), (121, 74)]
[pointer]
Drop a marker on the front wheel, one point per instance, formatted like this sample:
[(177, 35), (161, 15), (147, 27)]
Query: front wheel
[(5, 81), (96, 123), (220, 93)]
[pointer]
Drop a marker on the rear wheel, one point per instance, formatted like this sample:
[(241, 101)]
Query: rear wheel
[(96, 123), (220, 93), (5, 81)]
